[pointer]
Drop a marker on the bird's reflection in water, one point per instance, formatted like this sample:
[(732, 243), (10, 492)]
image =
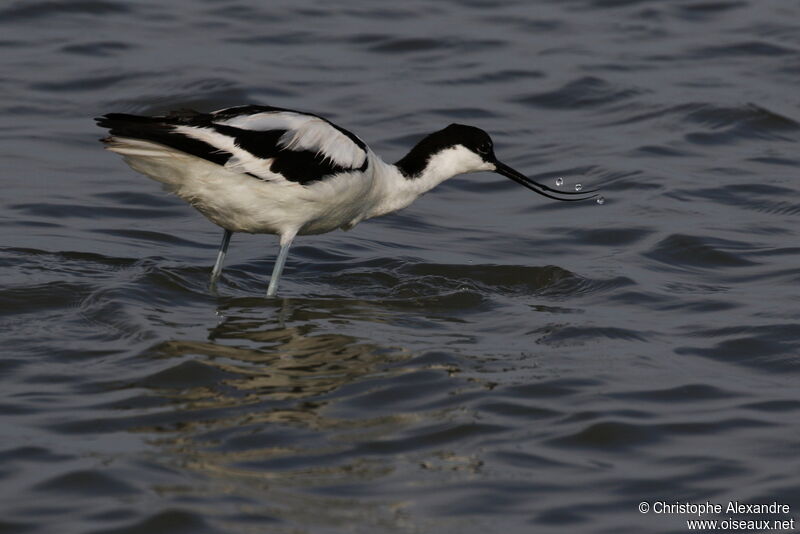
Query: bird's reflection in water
[(301, 352), (272, 409)]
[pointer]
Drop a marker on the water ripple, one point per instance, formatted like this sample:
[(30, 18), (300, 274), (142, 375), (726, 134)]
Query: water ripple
[(696, 251), (586, 92), (48, 8)]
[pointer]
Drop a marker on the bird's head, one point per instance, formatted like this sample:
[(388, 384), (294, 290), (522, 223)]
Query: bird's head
[(459, 149)]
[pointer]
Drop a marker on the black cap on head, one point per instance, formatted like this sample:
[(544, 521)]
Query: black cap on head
[(469, 137)]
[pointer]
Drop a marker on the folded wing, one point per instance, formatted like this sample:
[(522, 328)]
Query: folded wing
[(271, 144)]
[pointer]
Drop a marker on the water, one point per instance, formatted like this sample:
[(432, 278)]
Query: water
[(486, 360)]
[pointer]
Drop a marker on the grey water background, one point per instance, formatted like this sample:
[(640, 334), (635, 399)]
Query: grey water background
[(486, 360)]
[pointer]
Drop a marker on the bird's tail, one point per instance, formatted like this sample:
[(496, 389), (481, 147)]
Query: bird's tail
[(148, 145)]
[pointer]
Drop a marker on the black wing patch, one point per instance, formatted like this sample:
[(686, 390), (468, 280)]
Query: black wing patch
[(300, 166)]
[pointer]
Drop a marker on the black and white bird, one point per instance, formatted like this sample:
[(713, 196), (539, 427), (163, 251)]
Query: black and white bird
[(268, 170)]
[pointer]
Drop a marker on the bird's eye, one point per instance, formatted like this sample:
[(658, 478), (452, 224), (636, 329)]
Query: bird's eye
[(484, 149)]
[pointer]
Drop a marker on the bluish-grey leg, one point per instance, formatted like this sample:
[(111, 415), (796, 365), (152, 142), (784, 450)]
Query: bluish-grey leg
[(278, 269), (223, 249)]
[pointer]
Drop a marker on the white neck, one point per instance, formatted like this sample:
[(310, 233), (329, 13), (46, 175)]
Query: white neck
[(396, 191)]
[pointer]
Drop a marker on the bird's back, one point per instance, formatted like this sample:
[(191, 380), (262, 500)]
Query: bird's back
[(253, 168)]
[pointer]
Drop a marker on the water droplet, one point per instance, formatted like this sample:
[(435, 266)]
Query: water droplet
[(601, 200), (578, 187), (559, 182)]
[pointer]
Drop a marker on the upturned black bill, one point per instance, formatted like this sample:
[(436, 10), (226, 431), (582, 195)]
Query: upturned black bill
[(505, 170)]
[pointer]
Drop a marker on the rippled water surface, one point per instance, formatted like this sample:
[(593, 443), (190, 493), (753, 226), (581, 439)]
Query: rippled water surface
[(486, 360)]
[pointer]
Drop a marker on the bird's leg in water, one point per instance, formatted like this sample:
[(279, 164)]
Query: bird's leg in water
[(223, 249), (278, 269)]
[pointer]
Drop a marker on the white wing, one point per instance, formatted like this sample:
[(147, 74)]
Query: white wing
[(302, 132)]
